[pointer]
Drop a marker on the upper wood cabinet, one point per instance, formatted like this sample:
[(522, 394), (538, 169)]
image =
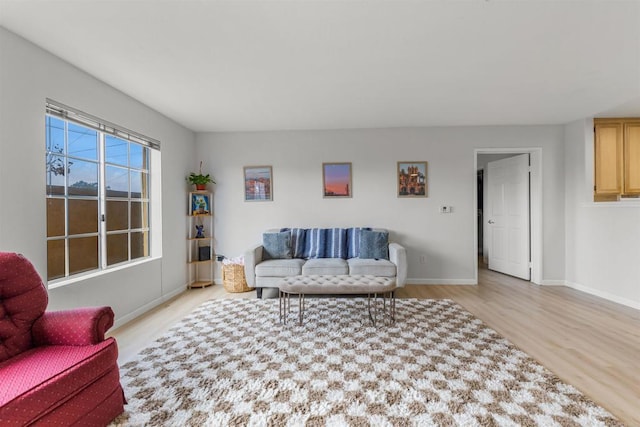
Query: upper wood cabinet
[(632, 158), (608, 159), (617, 159)]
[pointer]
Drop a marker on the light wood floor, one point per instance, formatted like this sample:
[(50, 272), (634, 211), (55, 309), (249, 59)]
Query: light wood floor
[(588, 342)]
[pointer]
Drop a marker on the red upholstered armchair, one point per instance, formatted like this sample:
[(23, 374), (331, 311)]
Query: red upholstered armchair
[(56, 368)]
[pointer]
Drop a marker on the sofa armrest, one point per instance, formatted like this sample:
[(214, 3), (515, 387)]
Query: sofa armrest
[(398, 256), (252, 257), (80, 326)]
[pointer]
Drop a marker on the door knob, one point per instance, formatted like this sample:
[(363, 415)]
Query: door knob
[(491, 221)]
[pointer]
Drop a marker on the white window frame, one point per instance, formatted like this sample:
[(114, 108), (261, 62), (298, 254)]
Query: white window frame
[(104, 128)]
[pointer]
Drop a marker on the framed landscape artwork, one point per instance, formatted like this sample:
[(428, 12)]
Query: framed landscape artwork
[(412, 179), (258, 183), (336, 180)]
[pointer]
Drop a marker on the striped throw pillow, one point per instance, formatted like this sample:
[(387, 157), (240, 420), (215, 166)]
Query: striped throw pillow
[(353, 241), (336, 246), (298, 240), (315, 243)]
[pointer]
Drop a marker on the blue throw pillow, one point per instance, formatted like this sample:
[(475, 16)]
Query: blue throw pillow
[(374, 244), (298, 240), (276, 245), (316, 241), (353, 241), (336, 246)]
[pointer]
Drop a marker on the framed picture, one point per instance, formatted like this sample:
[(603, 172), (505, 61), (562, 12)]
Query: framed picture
[(258, 183), (336, 180), (200, 204), (412, 179)]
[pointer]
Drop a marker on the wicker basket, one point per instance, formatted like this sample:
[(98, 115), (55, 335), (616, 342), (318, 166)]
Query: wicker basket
[(233, 278)]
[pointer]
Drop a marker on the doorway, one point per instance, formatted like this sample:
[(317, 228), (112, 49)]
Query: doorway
[(482, 158)]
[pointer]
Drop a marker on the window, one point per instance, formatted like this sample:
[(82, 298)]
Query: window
[(97, 190)]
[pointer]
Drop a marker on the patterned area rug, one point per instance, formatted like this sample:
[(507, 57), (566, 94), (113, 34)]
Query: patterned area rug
[(231, 363)]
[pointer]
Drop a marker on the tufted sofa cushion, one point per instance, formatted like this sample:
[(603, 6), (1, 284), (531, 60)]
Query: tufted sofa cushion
[(23, 299)]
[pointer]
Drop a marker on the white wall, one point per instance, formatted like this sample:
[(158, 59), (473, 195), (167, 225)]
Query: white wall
[(29, 75), (446, 239), (602, 239)]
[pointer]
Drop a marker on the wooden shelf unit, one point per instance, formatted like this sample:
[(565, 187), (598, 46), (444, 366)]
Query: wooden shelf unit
[(200, 268)]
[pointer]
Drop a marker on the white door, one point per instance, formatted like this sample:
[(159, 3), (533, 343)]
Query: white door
[(508, 216)]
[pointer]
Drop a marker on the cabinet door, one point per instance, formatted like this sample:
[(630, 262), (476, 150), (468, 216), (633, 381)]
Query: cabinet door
[(608, 158), (632, 158)]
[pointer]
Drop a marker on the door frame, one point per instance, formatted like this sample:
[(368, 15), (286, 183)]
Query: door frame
[(535, 206)]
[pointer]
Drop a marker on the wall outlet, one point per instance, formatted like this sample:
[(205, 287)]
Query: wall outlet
[(445, 209)]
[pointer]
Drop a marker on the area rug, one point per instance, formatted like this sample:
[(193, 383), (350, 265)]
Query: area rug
[(231, 363)]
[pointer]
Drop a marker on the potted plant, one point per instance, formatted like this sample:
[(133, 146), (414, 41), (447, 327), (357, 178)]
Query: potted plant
[(200, 180)]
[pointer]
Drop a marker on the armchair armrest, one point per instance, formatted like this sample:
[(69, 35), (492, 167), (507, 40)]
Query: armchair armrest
[(80, 326), (252, 257), (398, 256)]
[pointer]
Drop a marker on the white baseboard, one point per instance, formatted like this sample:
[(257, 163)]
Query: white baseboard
[(148, 306), (554, 283), (604, 295), (441, 282)]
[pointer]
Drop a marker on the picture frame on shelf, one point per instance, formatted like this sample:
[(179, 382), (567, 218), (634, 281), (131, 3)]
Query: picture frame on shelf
[(336, 180), (258, 183), (200, 204), (412, 179)]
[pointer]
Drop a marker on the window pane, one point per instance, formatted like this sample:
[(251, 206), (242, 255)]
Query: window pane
[(138, 156), (55, 217), (139, 215), (139, 244), (117, 218), (117, 182), (83, 178), (83, 254), (117, 248), (83, 216), (82, 142), (55, 174), (55, 259), (139, 185), (55, 135), (116, 150)]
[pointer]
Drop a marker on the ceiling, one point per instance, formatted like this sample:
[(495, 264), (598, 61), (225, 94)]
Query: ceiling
[(270, 65)]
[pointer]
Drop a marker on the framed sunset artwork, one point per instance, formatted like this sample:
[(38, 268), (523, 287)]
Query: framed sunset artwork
[(336, 180)]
